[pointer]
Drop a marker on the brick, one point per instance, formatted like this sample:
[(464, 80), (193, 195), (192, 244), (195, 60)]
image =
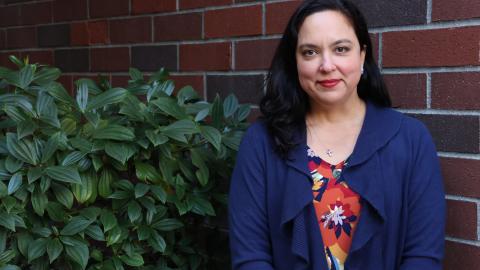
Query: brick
[(278, 14), (24, 37), (408, 91), (108, 8), (178, 27), (3, 39), (41, 57), (195, 81), (86, 33), (152, 58), (375, 42), (69, 10), (458, 91), (461, 219), (453, 133), (187, 4), (430, 48), (5, 61), (54, 35), (36, 13), (153, 6), (255, 54), (110, 59), (444, 10), (67, 82), (380, 13), (244, 1), (240, 21), (120, 80), (247, 88), (461, 176), (210, 56), (9, 16), (72, 60), (136, 30), (460, 256)]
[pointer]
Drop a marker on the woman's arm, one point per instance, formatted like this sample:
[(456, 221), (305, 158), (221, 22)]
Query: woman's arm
[(249, 233), (424, 245)]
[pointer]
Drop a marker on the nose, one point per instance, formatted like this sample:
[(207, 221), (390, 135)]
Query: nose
[(326, 63)]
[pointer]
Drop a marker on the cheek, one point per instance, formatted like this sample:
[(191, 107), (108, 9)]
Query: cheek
[(305, 70)]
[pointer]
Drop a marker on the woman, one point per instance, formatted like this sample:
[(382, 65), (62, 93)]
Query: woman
[(331, 177)]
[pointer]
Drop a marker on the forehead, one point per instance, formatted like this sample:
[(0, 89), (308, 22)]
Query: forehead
[(329, 25)]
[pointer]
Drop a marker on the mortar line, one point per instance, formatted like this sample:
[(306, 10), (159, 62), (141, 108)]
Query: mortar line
[(429, 11), (462, 241), (429, 90)]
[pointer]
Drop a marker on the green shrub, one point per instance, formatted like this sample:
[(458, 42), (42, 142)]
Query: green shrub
[(112, 178)]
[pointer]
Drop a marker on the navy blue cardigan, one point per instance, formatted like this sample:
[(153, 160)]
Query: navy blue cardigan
[(395, 169)]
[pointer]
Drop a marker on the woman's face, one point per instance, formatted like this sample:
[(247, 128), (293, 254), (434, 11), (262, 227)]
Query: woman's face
[(329, 59)]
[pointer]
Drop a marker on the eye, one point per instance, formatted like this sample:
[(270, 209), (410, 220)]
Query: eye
[(342, 49), (309, 52)]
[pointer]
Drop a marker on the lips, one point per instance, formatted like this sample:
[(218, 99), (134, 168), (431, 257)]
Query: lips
[(329, 83)]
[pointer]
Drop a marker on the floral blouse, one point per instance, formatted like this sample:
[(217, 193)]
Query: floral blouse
[(337, 208)]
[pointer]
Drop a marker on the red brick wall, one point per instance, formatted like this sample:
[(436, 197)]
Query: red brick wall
[(427, 49)]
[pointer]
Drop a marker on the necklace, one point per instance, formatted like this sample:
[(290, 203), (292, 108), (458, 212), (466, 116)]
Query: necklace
[(329, 152)]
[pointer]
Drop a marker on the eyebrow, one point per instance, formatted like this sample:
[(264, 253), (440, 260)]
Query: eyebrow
[(310, 45)]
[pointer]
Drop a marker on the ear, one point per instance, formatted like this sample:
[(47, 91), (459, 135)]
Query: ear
[(363, 52)]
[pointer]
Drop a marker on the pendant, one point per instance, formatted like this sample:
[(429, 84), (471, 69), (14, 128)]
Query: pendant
[(329, 153)]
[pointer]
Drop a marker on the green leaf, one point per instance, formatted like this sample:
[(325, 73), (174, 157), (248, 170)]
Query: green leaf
[(159, 193), (216, 111), (54, 249), (141, 189), (120, 151), (167, 224), (25, 76), (72, 158), (143, 233), (57, 91), (36, 249), (134, 259), (76, 225), (157, 242), (108, 220), (202, 206), (82, 95), (111, 96), (134, 211), (21, 149), (230, 105), (14, 183), (233, 140), (212, 135), (145, 171), (155, 138), (23, 240), (203, 172), (64, 174), (104, 183), (7, 256), (26, 128), (186, 93), (12, 164), (135, 74), (39, 201), (50, 147), (7, 220), (202, 114), (179, 129), (95, 232), (9, 202), (63, 195), (114, 236), (10, 267), (170, 107), (78, 253), (33, 174), (55, 211), (46, 75), (114, 132)]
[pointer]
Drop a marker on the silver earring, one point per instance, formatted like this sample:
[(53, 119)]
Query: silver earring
[(361, 69)]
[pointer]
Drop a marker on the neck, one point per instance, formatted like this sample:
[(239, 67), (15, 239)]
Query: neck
[(337, 114)]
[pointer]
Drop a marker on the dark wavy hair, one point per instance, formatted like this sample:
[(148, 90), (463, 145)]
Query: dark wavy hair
[(285, 104)]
